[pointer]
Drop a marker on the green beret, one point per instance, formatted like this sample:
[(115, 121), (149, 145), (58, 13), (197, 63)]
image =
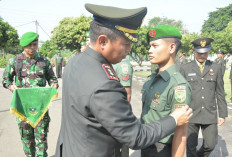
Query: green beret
[(83, 43), (28, 38), (126, 21), (163, 31), (57, 51), (87, 34), (202, 45), (74, 50)]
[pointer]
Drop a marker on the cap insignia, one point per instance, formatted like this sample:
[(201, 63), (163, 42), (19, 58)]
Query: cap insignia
[(152, 33), (203, 43)]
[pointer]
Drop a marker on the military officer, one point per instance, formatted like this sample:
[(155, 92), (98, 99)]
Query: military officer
[(96, 116), (220, 60), (205, 78), (58, 64), (165, 90), (30, 69)]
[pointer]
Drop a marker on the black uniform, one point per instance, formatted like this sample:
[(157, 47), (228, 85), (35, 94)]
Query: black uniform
[(96, 116), (207, 95)]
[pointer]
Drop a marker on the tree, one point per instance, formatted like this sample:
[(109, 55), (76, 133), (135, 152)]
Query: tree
[(8, 37), (154, 22), (70, 32), (140, 50), (47, 49), (186, 46), (218, 20)]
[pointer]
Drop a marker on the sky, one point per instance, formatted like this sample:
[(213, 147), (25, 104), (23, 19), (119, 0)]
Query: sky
[(22, 14)]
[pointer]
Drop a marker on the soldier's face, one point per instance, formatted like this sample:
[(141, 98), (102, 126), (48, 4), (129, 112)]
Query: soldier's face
[(159, 52), (88, 41), (201, 57), (116, 50), (31, 49)]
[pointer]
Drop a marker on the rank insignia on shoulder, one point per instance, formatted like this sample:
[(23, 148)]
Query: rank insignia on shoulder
[(110, 72)]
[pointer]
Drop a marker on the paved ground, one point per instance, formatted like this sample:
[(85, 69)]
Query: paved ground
[(10, 143)]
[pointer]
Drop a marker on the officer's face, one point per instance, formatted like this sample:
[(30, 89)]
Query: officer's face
[(159, 52), (201, 57), (31, 49), (117, 50)]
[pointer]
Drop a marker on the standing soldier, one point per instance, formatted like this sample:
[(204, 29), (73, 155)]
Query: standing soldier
[(220, 60), (181, 60), (58, 64), (205, 78), (165, 90), (30, 69), (124, 71)]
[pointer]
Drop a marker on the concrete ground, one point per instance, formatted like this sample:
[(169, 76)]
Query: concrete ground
[(11, 146)]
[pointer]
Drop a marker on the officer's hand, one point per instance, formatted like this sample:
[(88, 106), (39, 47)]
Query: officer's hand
[(221, 121), (55, 85), (182, 115), (12, 88)]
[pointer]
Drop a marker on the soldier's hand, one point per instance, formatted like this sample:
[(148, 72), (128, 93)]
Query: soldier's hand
[(221, 121), (55, 85), (182, 115), (12, 88)]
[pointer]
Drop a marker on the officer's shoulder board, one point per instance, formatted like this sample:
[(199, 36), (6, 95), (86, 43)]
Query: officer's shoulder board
[(110, 72)]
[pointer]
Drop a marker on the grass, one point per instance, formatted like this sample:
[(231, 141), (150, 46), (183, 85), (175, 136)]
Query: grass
[(227, 85)]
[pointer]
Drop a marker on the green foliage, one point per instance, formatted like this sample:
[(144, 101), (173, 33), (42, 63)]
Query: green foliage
[(8, 35), (165, 21), (140, 50), (218, 20), (48, 49), (70, 32), (3, 61)]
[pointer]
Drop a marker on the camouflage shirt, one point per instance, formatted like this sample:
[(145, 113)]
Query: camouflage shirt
[(28, 72)]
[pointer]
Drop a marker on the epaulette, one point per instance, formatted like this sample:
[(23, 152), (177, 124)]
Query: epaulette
[(110, 72)]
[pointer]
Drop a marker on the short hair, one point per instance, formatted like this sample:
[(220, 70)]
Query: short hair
[(96, 30), (176, 41)]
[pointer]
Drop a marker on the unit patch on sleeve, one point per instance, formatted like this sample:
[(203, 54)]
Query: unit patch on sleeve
[(180, 93), (110, 72)]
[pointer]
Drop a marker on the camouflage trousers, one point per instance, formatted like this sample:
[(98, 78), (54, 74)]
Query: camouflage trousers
[(34, 140)]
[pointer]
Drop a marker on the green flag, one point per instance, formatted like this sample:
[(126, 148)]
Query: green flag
[(30, 104)]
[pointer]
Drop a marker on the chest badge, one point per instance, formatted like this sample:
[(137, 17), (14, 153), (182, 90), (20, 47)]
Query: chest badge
[(211, 73), (157, 95), (156, 101)]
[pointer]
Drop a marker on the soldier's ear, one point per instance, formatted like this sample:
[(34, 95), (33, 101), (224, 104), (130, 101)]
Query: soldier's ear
[(172, 48)]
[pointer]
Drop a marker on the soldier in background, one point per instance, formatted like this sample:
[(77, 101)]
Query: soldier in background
[(208, 99), (124, 71), (220, 60), (30, 69), (181, 60), (58, 64)]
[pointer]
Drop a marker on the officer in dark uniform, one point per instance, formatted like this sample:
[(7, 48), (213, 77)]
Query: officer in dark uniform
[(96, 116), (205, 78), (220, 60)]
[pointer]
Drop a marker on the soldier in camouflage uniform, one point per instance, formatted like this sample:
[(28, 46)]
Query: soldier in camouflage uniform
[(30, 69), (58, 64)]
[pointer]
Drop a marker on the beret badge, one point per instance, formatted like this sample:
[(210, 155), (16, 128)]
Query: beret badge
[(152, 33), (203, 43)]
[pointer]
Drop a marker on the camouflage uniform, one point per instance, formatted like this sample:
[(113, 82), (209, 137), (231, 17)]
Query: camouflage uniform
[(31, 72)]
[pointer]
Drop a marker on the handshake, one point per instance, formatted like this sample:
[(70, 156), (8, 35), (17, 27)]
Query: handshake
[(182, 115)]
